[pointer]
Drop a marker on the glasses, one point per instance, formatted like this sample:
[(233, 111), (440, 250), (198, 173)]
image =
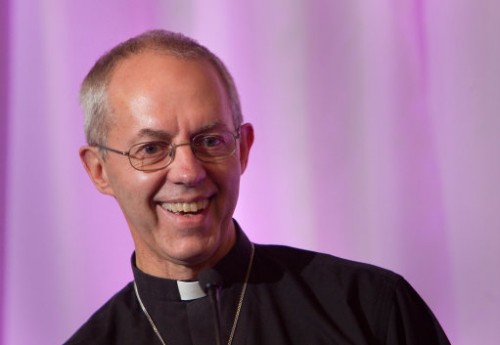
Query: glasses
[(157, 155)]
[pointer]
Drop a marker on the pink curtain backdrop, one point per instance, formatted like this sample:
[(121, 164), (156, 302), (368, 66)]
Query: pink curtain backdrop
[(377, 139)]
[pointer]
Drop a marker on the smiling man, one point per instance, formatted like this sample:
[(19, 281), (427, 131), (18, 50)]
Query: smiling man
[(166, 139), (179, 187)]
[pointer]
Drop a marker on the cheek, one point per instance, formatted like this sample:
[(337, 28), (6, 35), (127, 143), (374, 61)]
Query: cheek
[(135, 188), (229, 181)]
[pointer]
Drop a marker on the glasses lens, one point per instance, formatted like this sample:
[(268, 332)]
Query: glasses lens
[(214, 146), (150, 156)]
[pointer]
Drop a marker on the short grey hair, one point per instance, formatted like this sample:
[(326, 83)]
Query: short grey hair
[(93, 92)]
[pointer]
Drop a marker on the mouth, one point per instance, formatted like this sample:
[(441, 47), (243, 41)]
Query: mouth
[(186, 208)]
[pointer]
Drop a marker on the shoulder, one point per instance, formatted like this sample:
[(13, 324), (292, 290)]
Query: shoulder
[(381, 301), (368, 289), (116, 314), (320, 266)]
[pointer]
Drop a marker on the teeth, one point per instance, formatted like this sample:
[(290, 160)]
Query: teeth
[(185, 207)]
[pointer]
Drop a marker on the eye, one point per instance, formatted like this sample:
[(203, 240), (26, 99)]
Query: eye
[(210, 146), (148, 150), (210, 141)]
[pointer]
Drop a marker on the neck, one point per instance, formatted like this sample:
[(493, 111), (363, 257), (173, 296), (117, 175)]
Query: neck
[(164, 266)]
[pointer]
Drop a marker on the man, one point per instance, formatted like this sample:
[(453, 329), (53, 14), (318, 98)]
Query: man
[(166, 139)]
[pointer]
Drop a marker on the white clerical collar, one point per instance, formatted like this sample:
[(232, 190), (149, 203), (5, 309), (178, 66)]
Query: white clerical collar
[(190, 290)]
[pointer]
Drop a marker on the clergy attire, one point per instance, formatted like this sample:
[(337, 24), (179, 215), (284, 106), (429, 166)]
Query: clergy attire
[(271, 295)]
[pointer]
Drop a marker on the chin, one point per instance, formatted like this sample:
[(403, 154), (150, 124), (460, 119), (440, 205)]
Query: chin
[(190, 251)]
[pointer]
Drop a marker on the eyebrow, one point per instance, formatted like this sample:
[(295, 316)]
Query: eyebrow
[(211, 126), (162, 135), (154, 134)]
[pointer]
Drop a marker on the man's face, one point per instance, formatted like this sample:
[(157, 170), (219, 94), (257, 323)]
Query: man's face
[(154, 96)]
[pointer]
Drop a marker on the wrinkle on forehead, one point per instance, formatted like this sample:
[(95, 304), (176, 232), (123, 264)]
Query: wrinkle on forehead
[(159, 92), (162, 135)]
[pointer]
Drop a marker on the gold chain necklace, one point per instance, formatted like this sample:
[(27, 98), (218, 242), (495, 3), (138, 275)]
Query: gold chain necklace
[(238, 308)]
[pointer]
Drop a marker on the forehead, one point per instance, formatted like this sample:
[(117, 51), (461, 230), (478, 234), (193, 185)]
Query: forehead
[(160, 84), (153, 61)]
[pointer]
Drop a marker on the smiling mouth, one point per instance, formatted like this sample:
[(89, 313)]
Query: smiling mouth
[(185, 208)]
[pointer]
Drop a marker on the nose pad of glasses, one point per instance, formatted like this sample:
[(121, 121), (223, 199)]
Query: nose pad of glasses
[(171, 152)]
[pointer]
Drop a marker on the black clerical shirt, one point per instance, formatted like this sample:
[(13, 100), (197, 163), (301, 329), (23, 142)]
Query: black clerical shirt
[(294, 297)]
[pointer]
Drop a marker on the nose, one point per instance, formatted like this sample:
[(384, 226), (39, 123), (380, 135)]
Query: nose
[(185, 168)]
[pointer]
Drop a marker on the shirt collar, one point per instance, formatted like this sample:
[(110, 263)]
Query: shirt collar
[(231, 267)]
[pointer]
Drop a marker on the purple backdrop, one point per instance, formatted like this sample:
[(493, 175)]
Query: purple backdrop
[(4, 91), (377, 135)]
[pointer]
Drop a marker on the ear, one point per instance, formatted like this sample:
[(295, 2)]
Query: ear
[(94, 165), (246, 142)]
